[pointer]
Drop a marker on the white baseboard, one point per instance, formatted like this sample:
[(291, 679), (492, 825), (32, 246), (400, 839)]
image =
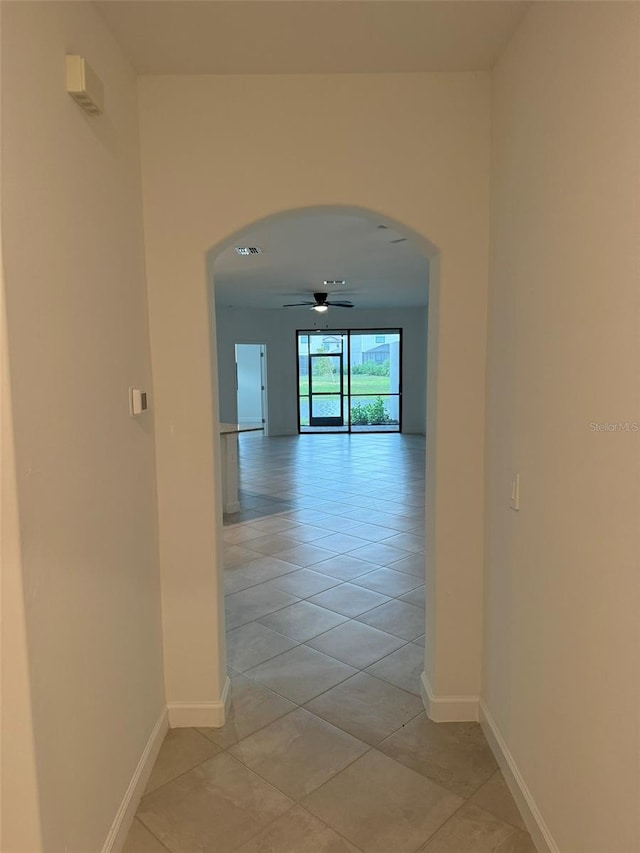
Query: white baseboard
[(530, 812), (448, 709), (125, 814), (200, 714)]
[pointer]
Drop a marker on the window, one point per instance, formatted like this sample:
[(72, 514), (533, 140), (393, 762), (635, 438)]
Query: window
[(349, 380)]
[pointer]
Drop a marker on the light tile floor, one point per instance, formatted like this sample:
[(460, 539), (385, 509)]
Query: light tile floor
[(327, 748)]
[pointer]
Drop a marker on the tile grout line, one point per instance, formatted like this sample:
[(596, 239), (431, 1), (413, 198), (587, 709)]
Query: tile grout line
[(466, 802), (352, 581), (150, 831), (284, 814), (184, 772)]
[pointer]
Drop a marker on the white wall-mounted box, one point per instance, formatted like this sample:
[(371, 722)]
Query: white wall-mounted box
[(84, 85)]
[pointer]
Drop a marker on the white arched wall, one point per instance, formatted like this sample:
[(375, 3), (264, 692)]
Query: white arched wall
[(219, 153)]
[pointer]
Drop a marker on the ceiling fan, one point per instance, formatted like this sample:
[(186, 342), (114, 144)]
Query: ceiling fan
[(321, 303)]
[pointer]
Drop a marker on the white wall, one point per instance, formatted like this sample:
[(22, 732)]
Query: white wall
[(561, 641), (278, 328), (19, 805), (219, 153), (85, 484)]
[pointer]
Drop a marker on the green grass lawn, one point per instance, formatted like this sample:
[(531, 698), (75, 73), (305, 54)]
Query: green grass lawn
[(360, 384)]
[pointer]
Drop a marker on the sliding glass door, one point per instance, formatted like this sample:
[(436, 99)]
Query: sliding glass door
[(350, 380)]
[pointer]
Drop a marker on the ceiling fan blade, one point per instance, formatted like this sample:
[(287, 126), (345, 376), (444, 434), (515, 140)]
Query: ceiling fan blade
[(298, 304), (340, 304)]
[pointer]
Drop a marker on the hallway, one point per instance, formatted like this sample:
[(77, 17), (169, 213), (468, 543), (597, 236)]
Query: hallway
[(327, 746)]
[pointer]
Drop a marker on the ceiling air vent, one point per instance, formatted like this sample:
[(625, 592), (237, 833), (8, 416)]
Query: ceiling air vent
[(248, 250), (332, 282)]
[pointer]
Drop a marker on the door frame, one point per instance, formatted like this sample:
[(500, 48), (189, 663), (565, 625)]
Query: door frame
[(346, 427), (337, 421), (263, 378)]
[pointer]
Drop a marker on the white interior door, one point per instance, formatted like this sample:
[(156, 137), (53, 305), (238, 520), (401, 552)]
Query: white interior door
[(251, 383)]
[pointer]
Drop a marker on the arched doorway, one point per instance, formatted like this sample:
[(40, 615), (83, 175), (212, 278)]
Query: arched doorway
[(273, 262), (431, 284), (189, 494)]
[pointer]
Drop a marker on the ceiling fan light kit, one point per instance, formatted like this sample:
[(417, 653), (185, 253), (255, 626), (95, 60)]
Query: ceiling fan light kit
[(321, 303)]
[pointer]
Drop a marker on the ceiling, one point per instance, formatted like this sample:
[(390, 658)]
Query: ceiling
[(311, 36), (299, 253)]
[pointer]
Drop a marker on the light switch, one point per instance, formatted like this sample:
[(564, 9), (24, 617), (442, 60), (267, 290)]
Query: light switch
[(137, 401), (514, 501)]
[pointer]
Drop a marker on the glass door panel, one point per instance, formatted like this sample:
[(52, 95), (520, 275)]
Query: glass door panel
[(374, 380), (326, 406), (303, 380), (326, 374), (326, 390)]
